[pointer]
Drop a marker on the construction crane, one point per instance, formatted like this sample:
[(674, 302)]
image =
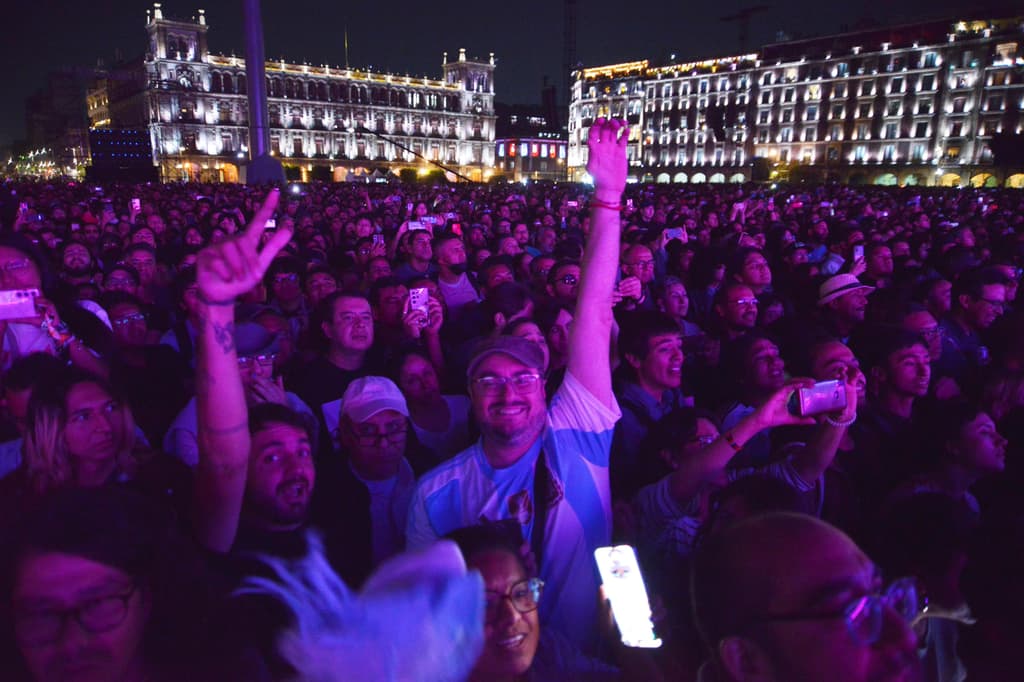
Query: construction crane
[(742, 19)]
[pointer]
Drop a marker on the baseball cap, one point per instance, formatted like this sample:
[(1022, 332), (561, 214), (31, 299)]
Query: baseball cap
[(839, 285), (367, 396), (522, 350), (255, 339)]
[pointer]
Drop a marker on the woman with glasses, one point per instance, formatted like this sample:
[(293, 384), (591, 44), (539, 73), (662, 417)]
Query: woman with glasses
[(98, 585), (516, 647)]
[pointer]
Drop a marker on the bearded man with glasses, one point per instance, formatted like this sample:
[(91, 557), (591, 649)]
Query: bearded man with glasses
[(546, 467)]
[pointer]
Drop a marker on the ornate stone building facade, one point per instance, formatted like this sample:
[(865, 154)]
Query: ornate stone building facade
[(907, 105), (326, 122)]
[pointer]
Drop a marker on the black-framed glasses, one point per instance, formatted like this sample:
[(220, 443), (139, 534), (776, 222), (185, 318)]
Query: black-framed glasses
[(864, 616), (369, 435), (249, 361), (128, 319), (523, 595), (96, 616), (521, 383)]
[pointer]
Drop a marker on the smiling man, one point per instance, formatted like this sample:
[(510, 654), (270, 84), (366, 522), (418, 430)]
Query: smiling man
[(546, 467), (651, 345)]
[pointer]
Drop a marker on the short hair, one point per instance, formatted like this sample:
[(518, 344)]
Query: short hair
[(443, 238), (377, 287), (494, 536), (638, 327), (558, 265), (725, 291), (876, 346), (32, 370), (508, 298), (972, 282), (317, 270), (262, 415), (139, 246), (283, 264), (493, 262), (739, 258)]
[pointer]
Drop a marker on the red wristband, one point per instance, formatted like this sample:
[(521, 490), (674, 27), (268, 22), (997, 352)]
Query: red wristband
[(597, 203), (732, 441)]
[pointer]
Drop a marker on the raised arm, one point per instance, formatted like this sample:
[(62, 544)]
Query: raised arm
[(224, 272), (811, 461), (591, 329)]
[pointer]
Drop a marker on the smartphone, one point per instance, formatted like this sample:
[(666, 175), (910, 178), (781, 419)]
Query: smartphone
[(629, 204), (416, 225), (624, 587), (271, 224), (419, 299), (378, 238), (675, 233), (16, 304), (572, 204), (824, 396), (408, 207), (136, 205), (858, 251)]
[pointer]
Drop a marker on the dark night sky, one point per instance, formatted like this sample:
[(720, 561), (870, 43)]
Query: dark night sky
[(402, 36)]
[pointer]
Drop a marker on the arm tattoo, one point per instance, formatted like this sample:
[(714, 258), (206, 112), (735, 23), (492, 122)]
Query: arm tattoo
[(225, 336)]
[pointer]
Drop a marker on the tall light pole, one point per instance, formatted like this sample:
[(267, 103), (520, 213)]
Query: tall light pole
[(262, 167)]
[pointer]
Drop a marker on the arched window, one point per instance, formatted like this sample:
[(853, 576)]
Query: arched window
[(215, 83), (241, 89), (229, 83)]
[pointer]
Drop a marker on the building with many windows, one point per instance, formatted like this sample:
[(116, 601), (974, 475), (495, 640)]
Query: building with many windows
[(326, 122), (528, 144), (907, 105)]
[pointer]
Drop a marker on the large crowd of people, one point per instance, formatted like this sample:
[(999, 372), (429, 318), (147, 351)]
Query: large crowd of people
[(195, 376)]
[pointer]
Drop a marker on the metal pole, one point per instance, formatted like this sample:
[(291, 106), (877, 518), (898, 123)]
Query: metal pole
[(262, 167)]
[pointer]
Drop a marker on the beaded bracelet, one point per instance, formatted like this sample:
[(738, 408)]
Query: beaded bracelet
[(838, 424)]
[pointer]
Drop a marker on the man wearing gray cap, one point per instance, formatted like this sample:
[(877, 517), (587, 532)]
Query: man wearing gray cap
[(546, 467)]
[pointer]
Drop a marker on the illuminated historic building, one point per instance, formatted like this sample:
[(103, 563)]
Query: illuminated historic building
[(908, 105), (326, 122)]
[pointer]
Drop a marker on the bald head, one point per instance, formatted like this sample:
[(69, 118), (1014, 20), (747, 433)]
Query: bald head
[(767, 564)]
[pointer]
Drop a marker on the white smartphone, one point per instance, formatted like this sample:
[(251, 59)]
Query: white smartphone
[(858, 252), (271, 224), (16, 304), (624, 586), (419, 299), (136, 205), (417, 225)]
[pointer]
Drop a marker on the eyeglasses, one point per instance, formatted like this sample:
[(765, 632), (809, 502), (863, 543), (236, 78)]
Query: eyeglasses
[(569, 280), (521, 383), (642, 264), (744, 302), (138, 263), (703, 441), (120, 282), (523, 595), (96, 616), (366, 434), (15, 265), (286, 277), (128, 319), (249, 361), (864, 616)]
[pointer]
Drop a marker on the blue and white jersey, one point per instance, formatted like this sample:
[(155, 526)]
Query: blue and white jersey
[(467, 490)]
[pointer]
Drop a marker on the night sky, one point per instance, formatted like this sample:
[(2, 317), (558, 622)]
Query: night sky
[(408, 37)]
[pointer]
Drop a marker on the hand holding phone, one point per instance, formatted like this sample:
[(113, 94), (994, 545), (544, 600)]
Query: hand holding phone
[(18, 304), (419, 300), (858, 252), (822, 397), (624, 587)]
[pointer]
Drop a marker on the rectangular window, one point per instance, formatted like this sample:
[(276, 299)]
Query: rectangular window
[(812, 112), (842, 69), (928, 82), (893, 107), (892, 131), (896, 84), (864, 111), (931, 60), (788, 95), (924, 107), (839, 90), (995, 103), (762, 117), (921, 129), (837, 111), (917, 153), (787, 115), (867, 88)]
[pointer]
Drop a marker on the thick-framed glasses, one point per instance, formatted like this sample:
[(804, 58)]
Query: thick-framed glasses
[(523, 595), (96, 616), (520, 383), (368, 435), (250, 361), (865, 616), (129, 319)]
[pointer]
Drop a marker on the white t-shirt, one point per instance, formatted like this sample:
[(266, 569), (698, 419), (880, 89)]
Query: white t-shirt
[(467, 490), (457, 296)]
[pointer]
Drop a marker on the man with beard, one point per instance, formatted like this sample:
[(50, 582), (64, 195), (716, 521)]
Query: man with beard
[(545, 467), (453, 282), (786, 597), (736, 310), (842, 302), (77, 266)]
